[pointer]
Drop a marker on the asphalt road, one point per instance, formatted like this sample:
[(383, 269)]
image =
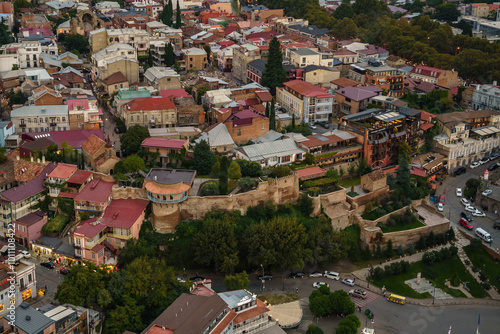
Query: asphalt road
[(453, 207)]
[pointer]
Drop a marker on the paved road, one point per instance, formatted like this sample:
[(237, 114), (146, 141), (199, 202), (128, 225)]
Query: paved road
[(453, 207)]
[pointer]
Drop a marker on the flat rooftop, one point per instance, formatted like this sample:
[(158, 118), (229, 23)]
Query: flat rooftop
[(171, 176)]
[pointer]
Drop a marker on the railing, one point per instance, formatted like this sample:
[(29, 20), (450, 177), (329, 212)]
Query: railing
[(159, 201), (22, 125)]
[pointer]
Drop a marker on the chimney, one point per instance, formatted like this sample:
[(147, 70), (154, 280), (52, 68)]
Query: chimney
[(155, 177), (43, 158), (31, 158), (494, 83)]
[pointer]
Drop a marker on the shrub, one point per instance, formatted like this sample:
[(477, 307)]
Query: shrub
[(475, 269), (440, 239), (380, 212), (388, 208), (280, 171), (485, 286), (397, 205), (455, 280), (429, 258), (390, 222), (467, 262), (430, 241), (378, 251), (445, 253), (389, 251), (453, 250), (388, 270), (411, 249), (396, 268), (475, 245), (318, 182), (482, 277), (405, 266), (421, 243), (378, 273), (368, 207), (400, 250), (210, 189), (246, 183)]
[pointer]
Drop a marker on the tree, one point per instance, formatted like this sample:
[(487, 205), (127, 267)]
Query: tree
[(342, 303), (378, 251), (209, 189), (267, 110), (216, 169), (200, 91), (309, 159), (169, 55), (389, 251), (293, 120), (344, 10), (125, 317), (305, 205), (246, 183), (167, 14), (150, 59), (5, 34), (77, 42), (203, 158), (216, 243), (280, 171), (313, 329), (237, 281), (272, 116), (132, 139), (403, 178), (471, 187), (404, 151), (345, 29), (274, 74), (16, 98), (333, 174), (363, 167), (133, 164), (223, 176), (349, 325), (249, 168), (234, 171), (178, 21), (208, 50), (446, 12)]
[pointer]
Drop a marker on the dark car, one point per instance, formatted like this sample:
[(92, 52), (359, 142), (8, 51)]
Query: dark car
[(494, 156), (48, 264), (496, 225), (493, 167), (460, 171), (297, 275), (467, 216), (64, 271), (265, 277), (197, 278), (117, 130), (325, 125)]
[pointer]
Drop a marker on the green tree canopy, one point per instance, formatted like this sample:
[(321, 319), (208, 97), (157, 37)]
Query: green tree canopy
[(169, 55), (133, 164), (77, 42), (237, 281), (132, 139), (274, 74), (203, 158), (234, 171), (313, 329)]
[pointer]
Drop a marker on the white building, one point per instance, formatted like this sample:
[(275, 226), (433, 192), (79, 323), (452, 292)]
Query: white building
[(25, 54), (278, 152), (103, 60), (107, 6), (486, 97), (302, 57), (40, 118)]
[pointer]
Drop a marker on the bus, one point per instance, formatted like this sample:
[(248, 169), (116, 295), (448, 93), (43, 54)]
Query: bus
[(396, 299)]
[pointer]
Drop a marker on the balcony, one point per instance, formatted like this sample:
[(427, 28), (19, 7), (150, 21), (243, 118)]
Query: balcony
[(53, 124), (22, 125)]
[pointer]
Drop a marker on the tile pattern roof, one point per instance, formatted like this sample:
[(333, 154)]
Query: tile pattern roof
[(165, 143), (307, 89), (96, 191), (150, 103), (63, 171), (359, 93), (75, 138), (80, 176), (29, 189), (115, 78), (93, 144)]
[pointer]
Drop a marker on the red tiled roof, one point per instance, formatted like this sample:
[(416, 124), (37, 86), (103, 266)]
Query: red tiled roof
[(80, 176), (63, 171), (250, 313), (319, 140), (418, 172), (164, 143), (243, 117), (229, 30), (359, 93), (67, 195), (307, 89), (78, 103), (427, 71), (96, 191), (123, 213), (344, 52), (225, 322), (75, 138), (306, 172), (115, 78), (29, 189), (344, 82), (31, 218), (264, 96), (92, 144), (173, 93), (426, 126), (426, 116), (89, 228), (150, 103), (225, 44)]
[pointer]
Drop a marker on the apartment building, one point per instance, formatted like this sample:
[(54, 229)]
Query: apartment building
[(166, 148), (138, 38), (150, 7), (94, 197), (446, 78), (243, 55), (352, 100), (29, 228), (84, 114), (44, 95), (40, 118), (17, 202), (193, 59), (162, 78), (153, 112), (309, 104), (117, 57), (302, 57), (25, 54), (25, 278), (375, 73), (486, 97), (58, 178)]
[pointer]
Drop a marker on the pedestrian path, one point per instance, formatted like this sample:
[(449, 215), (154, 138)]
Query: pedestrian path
[(370, 298)]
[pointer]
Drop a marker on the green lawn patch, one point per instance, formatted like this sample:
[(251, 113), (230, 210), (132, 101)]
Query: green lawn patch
[(347, 183), (280, 298), (482, 260), (352, 194), (415, 223), (372, 215), (55, 224), (443, 270)]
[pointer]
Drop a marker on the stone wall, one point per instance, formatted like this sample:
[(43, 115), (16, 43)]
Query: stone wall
[(166, 217), (128, 192), (360, 201), (335, 207)]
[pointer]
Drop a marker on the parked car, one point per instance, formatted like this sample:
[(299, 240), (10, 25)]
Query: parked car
[(358, 293), (492, 167), (332, 275), (326, 125), (441, 199), (312, 126), (494, 156), (26, 254), (297, 275), (317, 285), (265, 277), (460, 171), (496, 225), (440, 207), (467, 216), (470, 208), (315, 274), (478, 213), (348, 281), (486, 192), (117, 130), (459, 192), (48, 264), (484, 160), (64, 271), (197, 278), (475, 164), (465, 224), (464, 201)]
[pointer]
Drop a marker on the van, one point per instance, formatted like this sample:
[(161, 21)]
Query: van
[(483, 234), (396, 299), (332, 275)]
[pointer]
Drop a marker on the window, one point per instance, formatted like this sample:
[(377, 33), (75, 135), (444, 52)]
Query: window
[(239, 132), (131, 118), (35, 120), (41, 120), (138, 119), (64, 119), (46, 119), (29, 120), (29, 278)]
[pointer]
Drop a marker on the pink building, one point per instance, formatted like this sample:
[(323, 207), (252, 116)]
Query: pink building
[(94, 197), (29, 227), (97, 238)]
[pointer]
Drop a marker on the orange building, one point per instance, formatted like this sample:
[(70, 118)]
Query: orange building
[(245, 125)]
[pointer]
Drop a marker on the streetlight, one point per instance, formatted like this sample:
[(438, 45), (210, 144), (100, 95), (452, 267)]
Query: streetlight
[(434, 293), (368, 281), (263, 280)]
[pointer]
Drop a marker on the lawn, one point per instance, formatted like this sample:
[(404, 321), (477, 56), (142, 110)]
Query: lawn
[(279, 298), (444, 270), (348, 183), (352, 194), (486, 264), (401, 226), (56, 224)]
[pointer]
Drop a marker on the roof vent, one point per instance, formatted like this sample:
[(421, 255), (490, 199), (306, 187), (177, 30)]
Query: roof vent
[(28, 318), (24, 305), (44, 110)]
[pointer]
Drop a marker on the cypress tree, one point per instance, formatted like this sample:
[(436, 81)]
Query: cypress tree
[(275, 74), (169, 55), (167, 14), (272, 117), (223, 176), (267, 109), (178, 21), (293, 121)]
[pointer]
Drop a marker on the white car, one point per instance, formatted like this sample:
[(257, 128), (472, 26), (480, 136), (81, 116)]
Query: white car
[(487, 192), (26, 254), (312, 126), (464, 201), (470, 208), (180, 280), (459, 192), (478, 213), (440, 207), (317, 285), (475, 164), (348, 281)]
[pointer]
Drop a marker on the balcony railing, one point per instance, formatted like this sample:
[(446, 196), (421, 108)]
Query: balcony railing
[(22, 125), (53, 124)]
